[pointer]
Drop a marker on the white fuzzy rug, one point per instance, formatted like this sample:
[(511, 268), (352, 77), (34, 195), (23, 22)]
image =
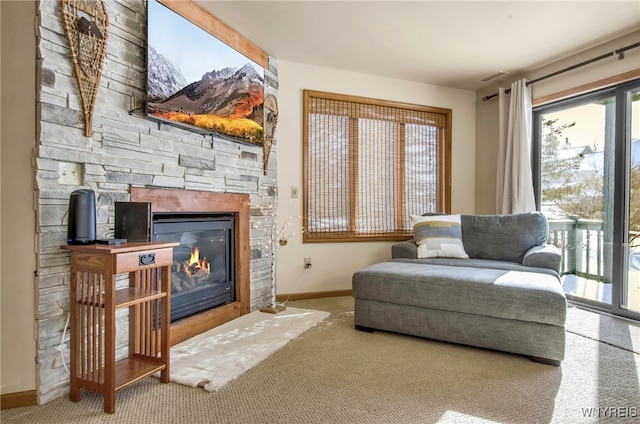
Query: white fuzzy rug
[(212, 359)]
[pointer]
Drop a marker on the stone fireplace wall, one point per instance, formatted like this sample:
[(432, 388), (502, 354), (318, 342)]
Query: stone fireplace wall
[(125, 150)]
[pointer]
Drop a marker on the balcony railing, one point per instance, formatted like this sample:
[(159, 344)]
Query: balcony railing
[(582, 244)]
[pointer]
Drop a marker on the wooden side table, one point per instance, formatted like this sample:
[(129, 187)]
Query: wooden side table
[(94, 300)]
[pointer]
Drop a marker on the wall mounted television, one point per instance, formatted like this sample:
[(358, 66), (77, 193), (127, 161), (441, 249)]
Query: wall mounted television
[(197, 82)]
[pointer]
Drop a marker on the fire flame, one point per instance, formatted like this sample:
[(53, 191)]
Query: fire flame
[(195, 263)]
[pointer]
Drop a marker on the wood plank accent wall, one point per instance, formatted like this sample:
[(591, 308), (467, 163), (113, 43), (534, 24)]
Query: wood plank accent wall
[(201, 17)]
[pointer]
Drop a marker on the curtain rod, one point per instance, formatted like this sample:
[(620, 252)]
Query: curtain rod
[(619, 52)]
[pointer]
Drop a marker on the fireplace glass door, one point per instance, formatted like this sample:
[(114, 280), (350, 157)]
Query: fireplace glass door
[(202, 275)]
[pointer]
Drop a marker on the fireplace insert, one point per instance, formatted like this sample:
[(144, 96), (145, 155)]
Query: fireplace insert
[(203, 271)]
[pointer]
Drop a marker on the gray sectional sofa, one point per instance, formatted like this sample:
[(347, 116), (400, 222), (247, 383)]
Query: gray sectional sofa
[(506, 296)]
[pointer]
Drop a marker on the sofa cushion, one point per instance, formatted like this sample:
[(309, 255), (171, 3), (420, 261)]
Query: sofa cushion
[(482, 263), (438, 236), (547, 256), (518, 295), (503, 237)]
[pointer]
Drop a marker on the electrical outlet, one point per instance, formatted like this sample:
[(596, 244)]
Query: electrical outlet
[(294, 192), (307, 263), (69, 173)]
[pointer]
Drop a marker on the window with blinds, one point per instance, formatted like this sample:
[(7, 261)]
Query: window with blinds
[(369, 164)]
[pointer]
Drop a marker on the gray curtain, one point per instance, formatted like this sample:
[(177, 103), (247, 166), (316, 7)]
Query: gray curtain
[(514, 188)]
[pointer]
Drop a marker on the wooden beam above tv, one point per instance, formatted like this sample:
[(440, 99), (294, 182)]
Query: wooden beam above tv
[(205, 20)]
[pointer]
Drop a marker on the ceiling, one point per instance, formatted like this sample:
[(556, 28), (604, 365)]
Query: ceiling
[(447, 43)]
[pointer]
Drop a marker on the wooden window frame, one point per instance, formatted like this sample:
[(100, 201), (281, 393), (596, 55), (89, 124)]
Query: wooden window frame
[(443, 168)]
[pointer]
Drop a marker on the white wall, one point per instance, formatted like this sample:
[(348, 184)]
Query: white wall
[(589, 73), (17, 222), (487, 112), (335, 263)]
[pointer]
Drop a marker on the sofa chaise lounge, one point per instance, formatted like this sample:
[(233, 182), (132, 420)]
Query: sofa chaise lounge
[(505, 296)]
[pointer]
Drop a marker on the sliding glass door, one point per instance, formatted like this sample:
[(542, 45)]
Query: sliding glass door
[(630, 115), (587, 176), (577, 142)]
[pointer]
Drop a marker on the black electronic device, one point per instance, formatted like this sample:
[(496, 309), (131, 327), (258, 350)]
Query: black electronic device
[(81, 223), (111, 241), (133, 221)]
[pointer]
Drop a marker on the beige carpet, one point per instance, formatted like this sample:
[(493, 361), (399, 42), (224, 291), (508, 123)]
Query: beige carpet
[(335, 374), (604, 328)]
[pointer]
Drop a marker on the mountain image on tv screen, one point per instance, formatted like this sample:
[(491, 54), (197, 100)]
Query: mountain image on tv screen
[(196, 80)]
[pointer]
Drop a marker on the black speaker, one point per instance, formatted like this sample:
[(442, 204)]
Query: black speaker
[(133, 221), (81, 225)]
